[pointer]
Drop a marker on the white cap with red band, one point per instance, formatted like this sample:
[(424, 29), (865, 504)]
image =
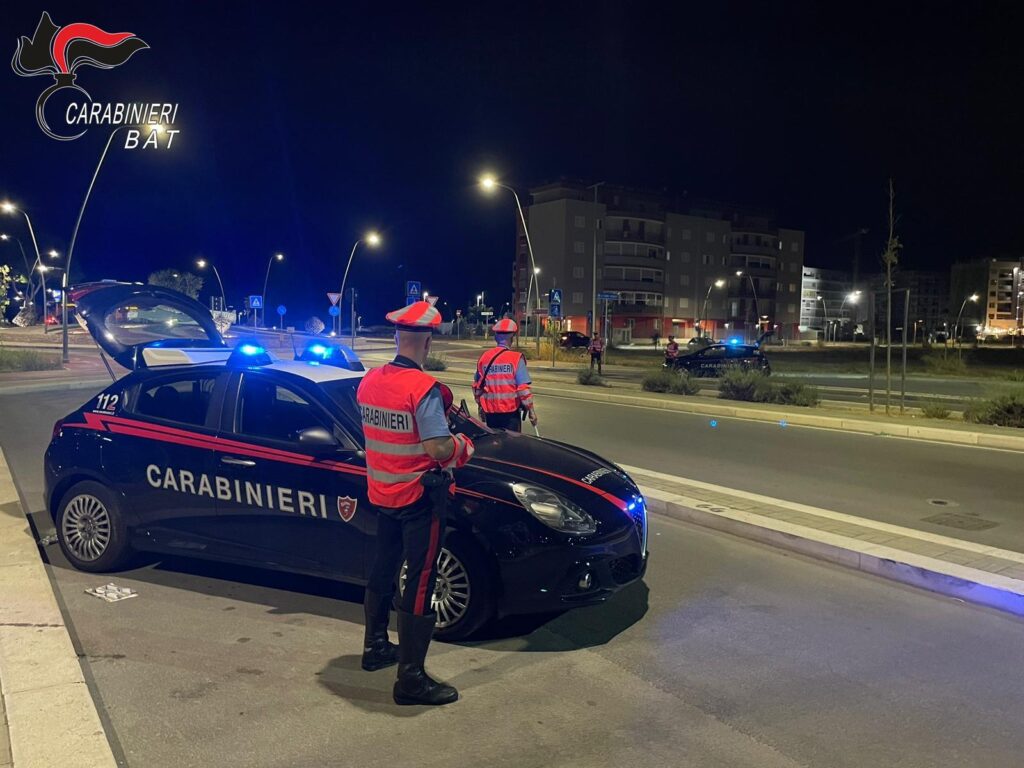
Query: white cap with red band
[(418, 316), (506, 326)]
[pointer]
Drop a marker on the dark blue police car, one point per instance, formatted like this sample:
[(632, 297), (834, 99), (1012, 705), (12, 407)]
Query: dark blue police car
[(210, 452)]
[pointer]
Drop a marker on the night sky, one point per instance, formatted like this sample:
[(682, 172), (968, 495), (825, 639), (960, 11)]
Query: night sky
[(305, 124)]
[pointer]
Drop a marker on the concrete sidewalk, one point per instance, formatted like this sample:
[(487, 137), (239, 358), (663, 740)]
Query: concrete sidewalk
[(49, 717), (972, 572)]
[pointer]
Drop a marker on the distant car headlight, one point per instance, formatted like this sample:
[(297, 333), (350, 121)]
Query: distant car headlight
[(553, 510)]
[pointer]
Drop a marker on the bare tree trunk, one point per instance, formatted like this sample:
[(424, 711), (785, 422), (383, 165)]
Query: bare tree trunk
[(890, 258)]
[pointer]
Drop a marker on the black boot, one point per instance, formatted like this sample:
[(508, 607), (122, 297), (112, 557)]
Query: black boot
[(414, 685), (378, 651)]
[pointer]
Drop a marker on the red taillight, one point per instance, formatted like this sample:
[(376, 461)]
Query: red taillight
[(56, 428)]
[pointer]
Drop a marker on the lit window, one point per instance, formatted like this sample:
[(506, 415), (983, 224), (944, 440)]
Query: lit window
[(684, 302)]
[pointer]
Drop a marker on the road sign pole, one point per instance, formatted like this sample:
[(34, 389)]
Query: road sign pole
[(353, 319)]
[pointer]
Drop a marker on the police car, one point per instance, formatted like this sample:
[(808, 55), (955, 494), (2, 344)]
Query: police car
[(716, 359), (207, 451)]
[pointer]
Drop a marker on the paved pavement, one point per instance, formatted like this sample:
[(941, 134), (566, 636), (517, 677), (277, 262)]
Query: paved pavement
[(732, 654)]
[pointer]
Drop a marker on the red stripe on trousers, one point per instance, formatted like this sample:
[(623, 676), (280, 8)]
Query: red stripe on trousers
[(428, 565)]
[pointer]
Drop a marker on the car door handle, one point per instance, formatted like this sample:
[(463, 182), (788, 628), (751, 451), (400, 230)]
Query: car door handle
[(234, 461)]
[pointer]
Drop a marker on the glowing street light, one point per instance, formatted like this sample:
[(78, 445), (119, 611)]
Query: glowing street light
[(373, 240), (753, 288), (956, 326), (266, 279), (202, 264), (719, 283), (489, 183)]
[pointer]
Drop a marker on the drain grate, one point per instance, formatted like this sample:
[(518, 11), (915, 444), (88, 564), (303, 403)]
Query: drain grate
[(966, 522)]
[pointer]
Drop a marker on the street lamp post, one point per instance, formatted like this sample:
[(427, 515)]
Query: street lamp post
[(853, 298), (704, 308), (593, 271), (488, 183), (825, 307), (956, 326), (266, 279), (202, 264), (753, 288), (11, 208), (373, 240)]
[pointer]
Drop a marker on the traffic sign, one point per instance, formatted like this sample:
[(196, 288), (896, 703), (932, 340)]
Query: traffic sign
[(608, 295), (555, 297), (334, 298), (555, 311), (539, 311), (432, 301), (412, 289), (334, 311), (282, 310), (410, 300), (255, 302)]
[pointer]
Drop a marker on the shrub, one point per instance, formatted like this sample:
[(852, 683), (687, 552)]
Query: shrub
[(682, 384), (435, 363), (754, 387), (737, 384), (589, 377), (658, 381), (1002, 411), (1015, 375), (935, 411), (949, 366), (27, 360)]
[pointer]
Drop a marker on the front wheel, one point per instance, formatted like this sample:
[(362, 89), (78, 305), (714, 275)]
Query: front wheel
[(463, 596), (91, 529)]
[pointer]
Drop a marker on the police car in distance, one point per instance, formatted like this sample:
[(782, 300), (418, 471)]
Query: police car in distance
[(716, 359), (210, 452)]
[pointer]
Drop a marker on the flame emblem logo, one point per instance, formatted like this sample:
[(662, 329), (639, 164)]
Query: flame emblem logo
[(61, 51)]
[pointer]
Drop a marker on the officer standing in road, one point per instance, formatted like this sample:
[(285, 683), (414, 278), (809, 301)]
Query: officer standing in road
[(501, 385), (596, 350), (409, 457), (671, 351)]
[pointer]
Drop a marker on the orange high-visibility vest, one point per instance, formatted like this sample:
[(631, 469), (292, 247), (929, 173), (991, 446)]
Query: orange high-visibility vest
[(500, 394), (395, 459)]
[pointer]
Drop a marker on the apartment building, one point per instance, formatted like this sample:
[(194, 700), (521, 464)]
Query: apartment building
[(999, 284), (674, 266)]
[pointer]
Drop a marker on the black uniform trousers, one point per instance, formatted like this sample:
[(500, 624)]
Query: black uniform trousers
[(412, 534), (510, 421)]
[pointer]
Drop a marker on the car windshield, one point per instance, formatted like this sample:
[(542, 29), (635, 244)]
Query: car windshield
[(343, 393)]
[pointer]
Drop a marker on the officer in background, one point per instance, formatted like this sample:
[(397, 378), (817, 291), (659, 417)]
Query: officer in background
[(501, 385), (671, 351), (596, 350), (409, 457)]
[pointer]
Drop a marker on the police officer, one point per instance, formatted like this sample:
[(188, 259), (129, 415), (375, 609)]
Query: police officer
[(671, 351), (408, 449), (501, 385), (596, 350)]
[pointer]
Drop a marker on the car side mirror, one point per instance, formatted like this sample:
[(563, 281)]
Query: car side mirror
[(318, 439)]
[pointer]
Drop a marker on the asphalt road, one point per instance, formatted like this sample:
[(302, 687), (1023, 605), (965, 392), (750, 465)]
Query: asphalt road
[(731, 654)]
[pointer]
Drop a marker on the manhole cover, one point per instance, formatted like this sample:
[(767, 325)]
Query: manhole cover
[(960, 522)]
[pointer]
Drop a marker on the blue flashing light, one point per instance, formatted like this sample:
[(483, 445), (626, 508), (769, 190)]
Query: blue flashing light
[(248, 354), (734, 340), (632, 506), (714, 423), (318, 349), (337, 355)]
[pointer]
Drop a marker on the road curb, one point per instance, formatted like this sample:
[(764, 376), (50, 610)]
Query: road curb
[(1001, 591), (57, 385), (794, 417), (51, 716)]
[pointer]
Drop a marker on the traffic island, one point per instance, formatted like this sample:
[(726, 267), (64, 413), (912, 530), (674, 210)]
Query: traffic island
[(965, 570)]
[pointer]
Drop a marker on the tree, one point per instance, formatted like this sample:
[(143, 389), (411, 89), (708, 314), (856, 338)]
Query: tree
[(890, 257), (6, 282), (182, 282)]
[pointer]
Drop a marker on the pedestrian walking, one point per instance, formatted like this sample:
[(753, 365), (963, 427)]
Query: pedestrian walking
[(501, 384), (410, 454), (596, 350)]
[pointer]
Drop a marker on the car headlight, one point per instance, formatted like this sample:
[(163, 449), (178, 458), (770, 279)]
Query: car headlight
[(554, 510)]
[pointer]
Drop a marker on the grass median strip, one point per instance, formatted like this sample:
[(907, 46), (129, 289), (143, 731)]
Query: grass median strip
[(28, 360)]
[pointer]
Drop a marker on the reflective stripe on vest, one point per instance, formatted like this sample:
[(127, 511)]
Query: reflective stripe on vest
[(395, 458), (499, 394)]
